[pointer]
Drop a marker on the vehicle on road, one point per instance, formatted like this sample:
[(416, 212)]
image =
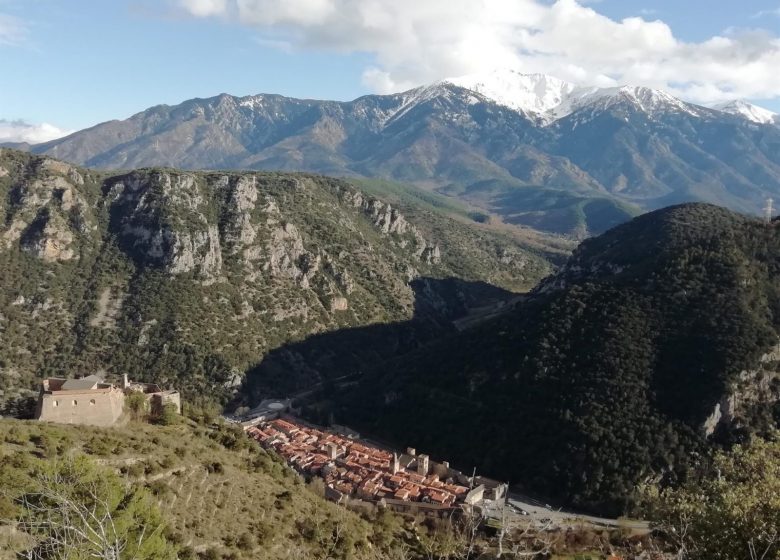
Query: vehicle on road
[(518, 510)]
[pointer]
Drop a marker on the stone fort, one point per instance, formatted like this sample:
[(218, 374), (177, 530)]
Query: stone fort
[(91, 401)]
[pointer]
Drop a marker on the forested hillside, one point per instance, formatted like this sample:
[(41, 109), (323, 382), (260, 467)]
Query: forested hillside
[(187, 279), (657, 340)]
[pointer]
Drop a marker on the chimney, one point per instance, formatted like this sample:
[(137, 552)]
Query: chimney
[(125, 382), (332, 450)]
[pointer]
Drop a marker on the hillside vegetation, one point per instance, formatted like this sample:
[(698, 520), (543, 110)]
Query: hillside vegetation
[(731, 512), (207, 492), (188, 279), (656, 340)]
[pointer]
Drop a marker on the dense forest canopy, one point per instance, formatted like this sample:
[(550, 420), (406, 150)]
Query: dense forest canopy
[(656, 340)]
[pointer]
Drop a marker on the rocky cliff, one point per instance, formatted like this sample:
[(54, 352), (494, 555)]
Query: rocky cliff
[(602, 158), (191, 277)]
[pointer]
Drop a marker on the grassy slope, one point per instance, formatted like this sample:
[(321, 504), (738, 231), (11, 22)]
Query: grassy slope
[(216, 488)]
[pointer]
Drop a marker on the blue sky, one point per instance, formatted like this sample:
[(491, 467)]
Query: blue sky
[(79, 62)]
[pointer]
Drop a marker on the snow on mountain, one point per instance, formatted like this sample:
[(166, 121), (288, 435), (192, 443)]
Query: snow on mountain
[(549, 98), (533, 94), (646, 99), (749, 111)]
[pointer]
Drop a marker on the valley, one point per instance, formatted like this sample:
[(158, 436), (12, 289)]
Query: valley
[(389, 280), (234, 287)]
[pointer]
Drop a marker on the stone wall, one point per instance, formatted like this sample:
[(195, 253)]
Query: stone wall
[(157, 401), (100, 407)]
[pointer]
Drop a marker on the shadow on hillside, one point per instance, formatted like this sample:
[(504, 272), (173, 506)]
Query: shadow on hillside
[(327, 359)]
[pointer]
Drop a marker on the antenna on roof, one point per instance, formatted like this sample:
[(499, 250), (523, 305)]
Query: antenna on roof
[(768, 210)]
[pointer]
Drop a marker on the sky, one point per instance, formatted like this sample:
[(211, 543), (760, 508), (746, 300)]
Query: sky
[(69, 64)]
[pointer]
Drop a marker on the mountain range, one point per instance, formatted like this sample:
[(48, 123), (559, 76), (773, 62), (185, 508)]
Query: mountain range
[(530, 149)]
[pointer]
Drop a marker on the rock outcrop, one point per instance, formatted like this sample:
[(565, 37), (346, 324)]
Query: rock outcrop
[(391, 222), (164, 220), (753, 388), (49, 238), (288, 258), (198, 275)]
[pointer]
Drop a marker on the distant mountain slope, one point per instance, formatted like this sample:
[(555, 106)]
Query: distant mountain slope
[(656, 339), (190, 278), (749, 111), (527, 148)]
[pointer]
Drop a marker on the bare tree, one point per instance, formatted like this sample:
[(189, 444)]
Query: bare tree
[(75, 511), (530, 542), (771, 540), (65, 525)]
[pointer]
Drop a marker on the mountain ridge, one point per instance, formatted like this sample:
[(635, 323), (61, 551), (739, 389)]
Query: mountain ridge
[(549, 99), (656, 343), (192, 277), (749, 111), (623, 150)]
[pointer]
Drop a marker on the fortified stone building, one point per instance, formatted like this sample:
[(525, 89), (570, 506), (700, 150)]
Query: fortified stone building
[(91, 401)]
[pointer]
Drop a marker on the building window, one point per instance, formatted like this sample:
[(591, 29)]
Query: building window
[(75, 402), (92, 402), (55, 403)]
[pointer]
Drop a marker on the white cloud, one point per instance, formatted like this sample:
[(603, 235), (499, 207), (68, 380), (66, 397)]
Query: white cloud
[(419, 41), (206, 8), (22, 131), (765, 13), (13, 31)]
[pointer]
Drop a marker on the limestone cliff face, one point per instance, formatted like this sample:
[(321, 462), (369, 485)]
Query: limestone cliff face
[(392, 223), (201, 274), (46, 213), (185, 224), (754, 387), (241, 200), (163, 220), (287, 257)]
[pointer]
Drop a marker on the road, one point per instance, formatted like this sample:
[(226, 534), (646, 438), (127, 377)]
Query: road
[(541, 513)]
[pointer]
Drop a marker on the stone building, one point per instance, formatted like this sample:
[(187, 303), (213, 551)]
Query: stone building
[(156, 396), (88, 400), (91, 401)]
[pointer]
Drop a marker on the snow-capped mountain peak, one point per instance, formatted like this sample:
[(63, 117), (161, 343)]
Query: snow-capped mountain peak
[(749, 111), (533, 94), (644, 98), (548, 98)]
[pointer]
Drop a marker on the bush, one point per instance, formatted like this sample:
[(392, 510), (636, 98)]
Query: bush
[(245, 542), (210, 554), (138, 405), (168, 416), (733, 513)]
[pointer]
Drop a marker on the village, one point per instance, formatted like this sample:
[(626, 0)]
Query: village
[(351, 468), (354, 469)]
